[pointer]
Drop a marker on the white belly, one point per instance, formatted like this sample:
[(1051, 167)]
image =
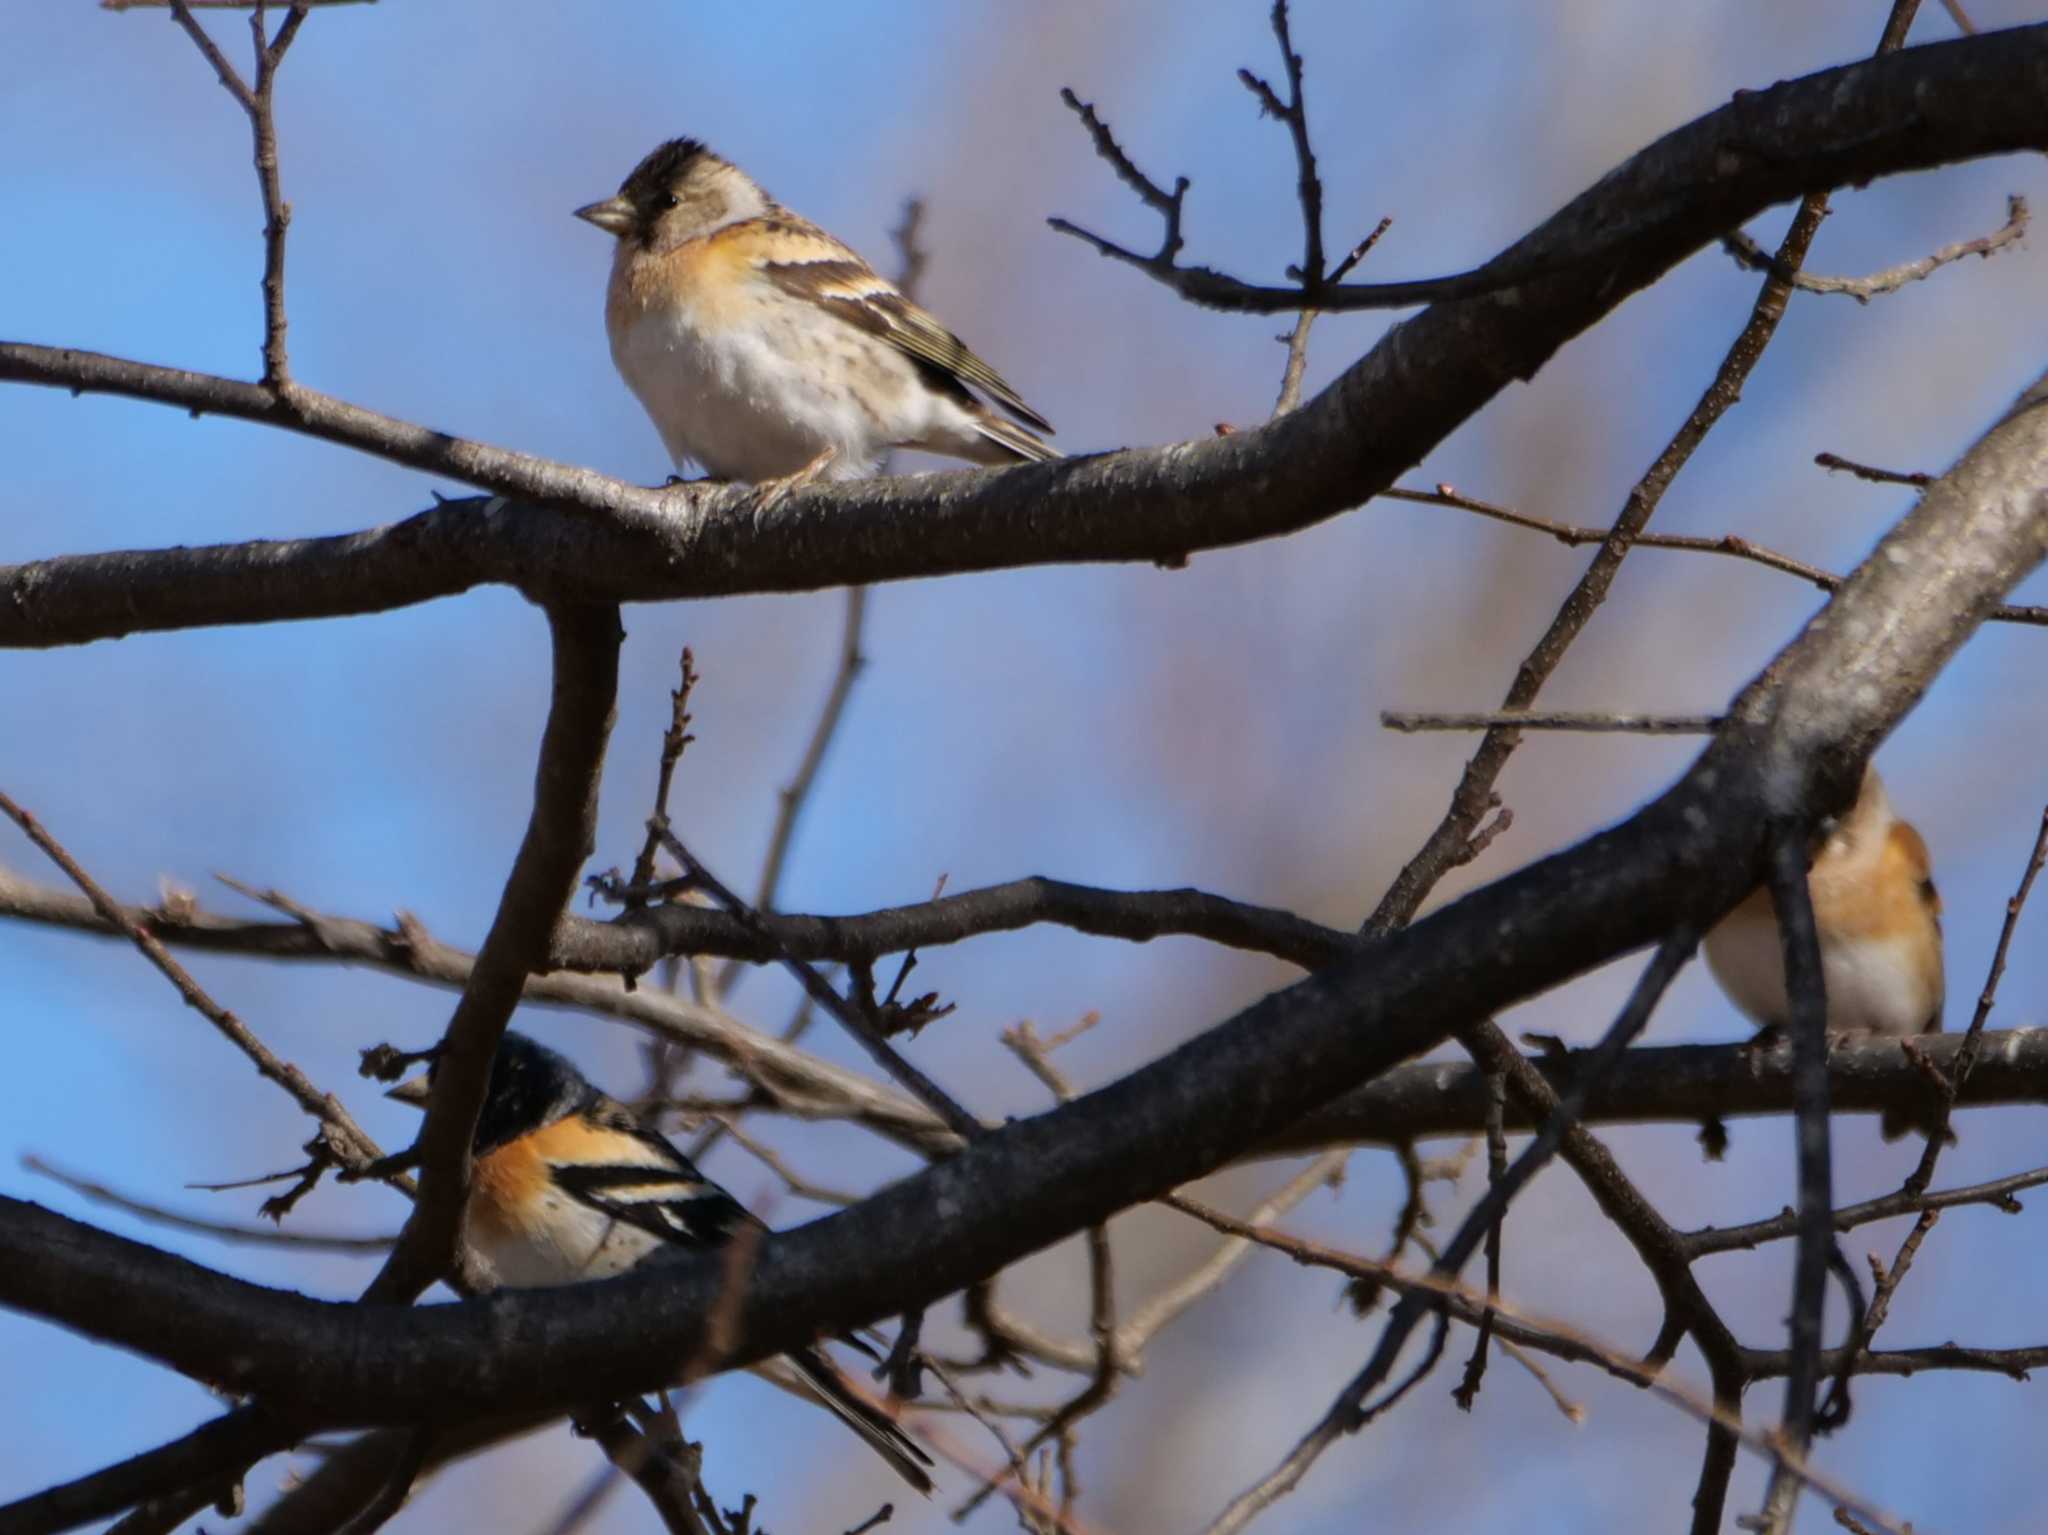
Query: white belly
[(1873, 985), (762, 395), (576, 1244)]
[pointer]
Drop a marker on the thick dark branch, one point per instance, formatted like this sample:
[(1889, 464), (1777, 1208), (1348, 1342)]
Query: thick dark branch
[(1928, 106), (1678, 1084), (558, 840), (1806, 986), (1796, 746)]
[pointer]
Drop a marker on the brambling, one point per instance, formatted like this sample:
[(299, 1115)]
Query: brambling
[(568, 1185), (1879, 918), (767, 351)]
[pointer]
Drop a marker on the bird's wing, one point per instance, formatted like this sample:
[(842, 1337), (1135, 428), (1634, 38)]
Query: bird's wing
[(831, 276), (638, 1178)]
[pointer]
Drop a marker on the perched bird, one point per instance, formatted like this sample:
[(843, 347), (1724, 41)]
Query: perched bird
[(1879, 917), (767, 351), (568, 1185)]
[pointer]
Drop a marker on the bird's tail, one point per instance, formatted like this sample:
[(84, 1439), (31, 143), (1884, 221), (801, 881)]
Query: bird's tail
[(1017, 444), (904, 1455)]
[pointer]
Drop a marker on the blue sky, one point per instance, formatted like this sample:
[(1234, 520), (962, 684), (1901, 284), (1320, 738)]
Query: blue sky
[(1214, 726)]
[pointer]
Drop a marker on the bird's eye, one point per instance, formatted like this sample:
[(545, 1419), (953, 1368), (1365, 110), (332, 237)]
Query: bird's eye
[(668, 200)]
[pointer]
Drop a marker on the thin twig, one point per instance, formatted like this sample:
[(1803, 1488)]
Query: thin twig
[(1446, 846), (213, 5), (226, 1231), (346, 1138), (1868, 472), (1952, 1081), (674, 742), (797, 1184), (1555, 719), (1657, 976), (1169, 1303), (1297, 339), (1166, 204), (1998, 1193), (796, 793), (1294, 113), (1729, 544), (257, 100), (827, 997), (1109, 1364), (1549, 1334), (1863, 289)]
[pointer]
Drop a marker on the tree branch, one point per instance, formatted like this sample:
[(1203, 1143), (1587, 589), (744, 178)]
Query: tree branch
[(1929, 106), (1797, 741), (558, 840), (1674, 1084)]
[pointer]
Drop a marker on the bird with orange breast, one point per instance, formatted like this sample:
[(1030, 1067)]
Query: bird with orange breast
[(1879, 918)]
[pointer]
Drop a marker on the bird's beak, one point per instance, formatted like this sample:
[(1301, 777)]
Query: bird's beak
[(614, 215), (412, 1091)]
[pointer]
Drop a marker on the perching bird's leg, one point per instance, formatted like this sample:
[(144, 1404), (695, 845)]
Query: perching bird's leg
[(769, 494)]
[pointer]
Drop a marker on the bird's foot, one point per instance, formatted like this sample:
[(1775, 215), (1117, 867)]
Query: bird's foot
[(770, 494)]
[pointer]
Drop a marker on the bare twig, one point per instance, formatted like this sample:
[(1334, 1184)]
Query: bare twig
[(850, 1018), (1874, 475), (1665, 1084), (1650, 987), (1294, 113), (1998, 1193), (1445, 846), (1384, 413), (1951, 1082), (1109, 1364), (1166, 204), (214, 5), (344, 1138), (1863, 289), (1146, 1321), (226, 1231), (1555, 719), (1728, 544), (1297, 339), (667, 1470), (257, 99), (1545, 1333), (674, 741), (793, 796), (797, 1184)]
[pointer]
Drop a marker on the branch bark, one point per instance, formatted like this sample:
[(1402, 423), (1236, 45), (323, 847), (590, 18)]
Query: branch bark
[(558, 839), (1794, 748), (1924, 107)]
